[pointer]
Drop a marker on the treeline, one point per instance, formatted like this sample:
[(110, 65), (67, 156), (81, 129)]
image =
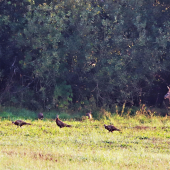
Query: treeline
[(81, 54)]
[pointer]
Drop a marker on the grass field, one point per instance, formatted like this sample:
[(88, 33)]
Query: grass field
[(144, 143)]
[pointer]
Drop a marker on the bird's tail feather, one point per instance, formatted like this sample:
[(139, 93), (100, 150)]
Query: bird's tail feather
[(68, 126)]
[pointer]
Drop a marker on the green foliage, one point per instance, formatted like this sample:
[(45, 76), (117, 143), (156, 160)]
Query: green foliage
[(83, 54), (6, 115), (63, 95), (14, 113)]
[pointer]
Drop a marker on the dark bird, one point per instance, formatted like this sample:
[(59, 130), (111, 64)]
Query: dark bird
[(60, 123), (111, 128), (89, 115), (20, 123), (40, 116)]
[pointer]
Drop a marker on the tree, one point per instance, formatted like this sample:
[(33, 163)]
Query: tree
[(12, 19), (84, 53)]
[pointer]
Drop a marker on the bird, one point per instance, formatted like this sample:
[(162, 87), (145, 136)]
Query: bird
[(60, 123), (20, 123), (40, 116), (111, 128), (89, 115)]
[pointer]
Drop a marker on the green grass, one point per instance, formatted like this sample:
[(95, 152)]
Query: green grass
[(144, 143)]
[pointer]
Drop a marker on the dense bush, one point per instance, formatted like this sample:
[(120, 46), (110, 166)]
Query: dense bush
[(83, 54)]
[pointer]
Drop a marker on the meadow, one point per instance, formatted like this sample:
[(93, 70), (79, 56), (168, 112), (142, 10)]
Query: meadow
[(143, 143)]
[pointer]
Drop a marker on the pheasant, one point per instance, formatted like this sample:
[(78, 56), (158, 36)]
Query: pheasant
[(20, 123), (111, 128), (40, 116), (60, 123), (89, 115)]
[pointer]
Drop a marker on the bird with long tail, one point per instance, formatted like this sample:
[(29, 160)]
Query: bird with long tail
[(111, 128), (60, 123), (20, 123)]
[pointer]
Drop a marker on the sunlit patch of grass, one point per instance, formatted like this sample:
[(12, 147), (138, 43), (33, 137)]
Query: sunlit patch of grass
[(143, 144)]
